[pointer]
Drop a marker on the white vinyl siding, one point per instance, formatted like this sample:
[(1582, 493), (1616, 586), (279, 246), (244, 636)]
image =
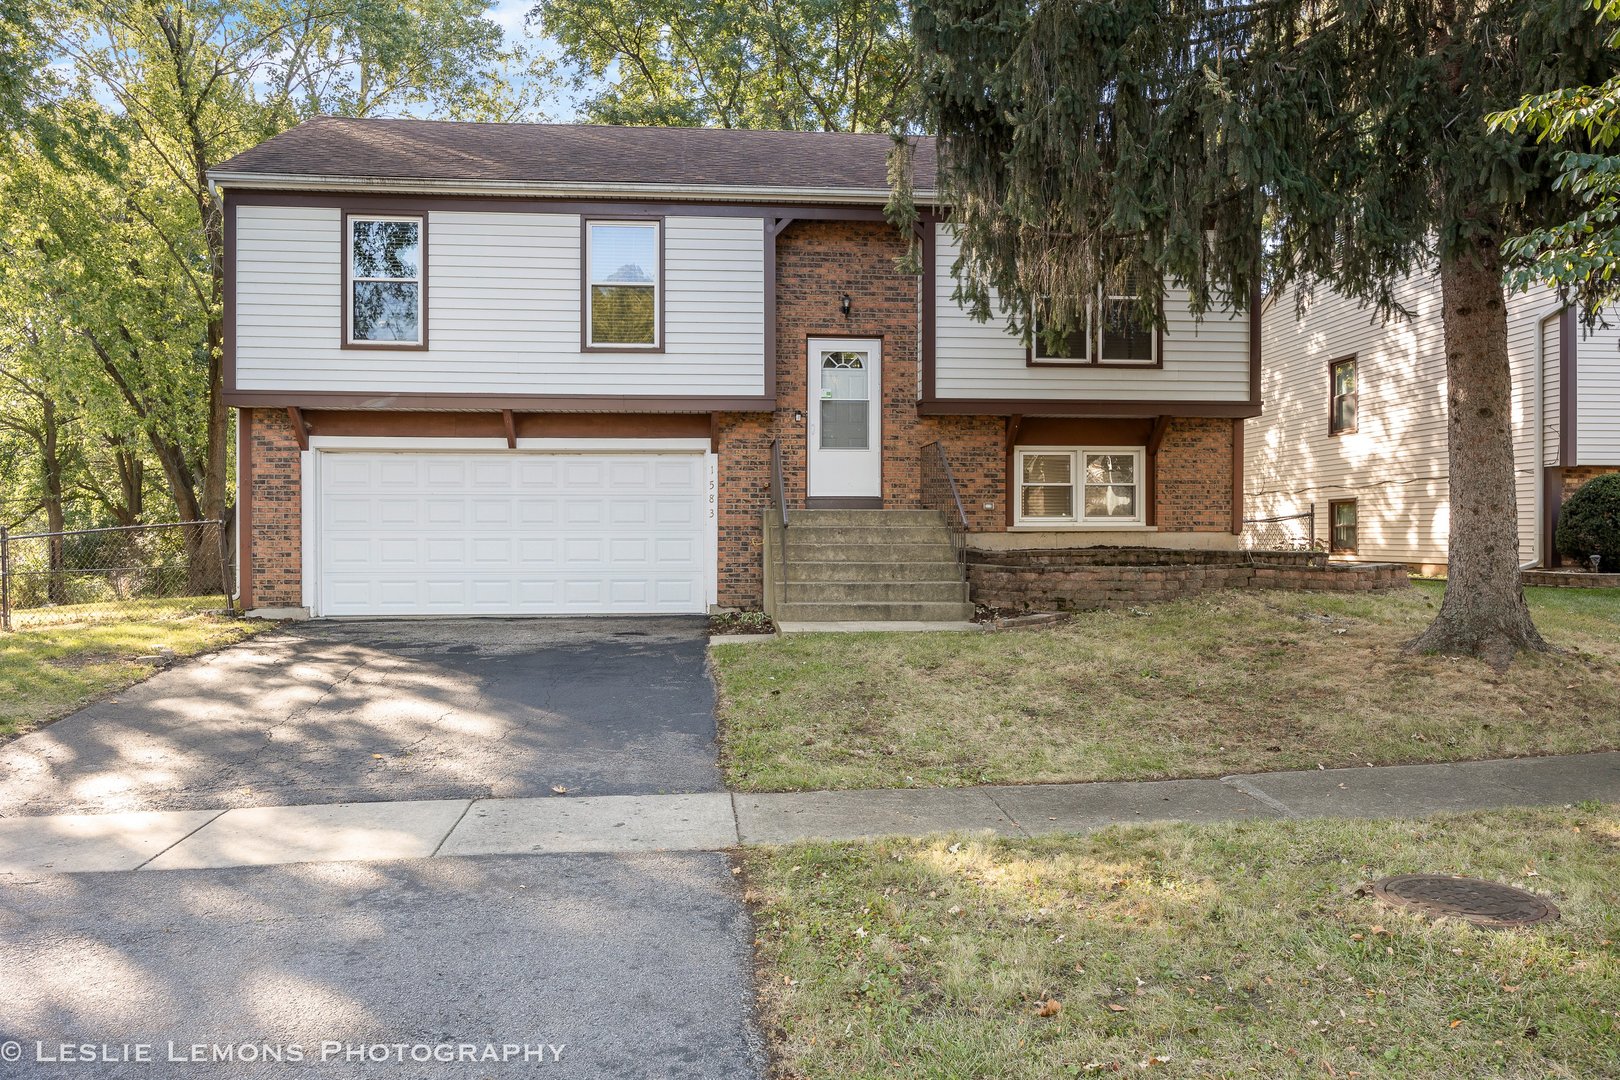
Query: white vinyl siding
[(1597, 428), (1205, 361), (503, 292), (1396, 464)]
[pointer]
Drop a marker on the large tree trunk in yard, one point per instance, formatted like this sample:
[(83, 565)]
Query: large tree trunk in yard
[(1484, 613)]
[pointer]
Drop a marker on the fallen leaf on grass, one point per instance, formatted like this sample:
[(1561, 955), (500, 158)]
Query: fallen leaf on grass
[(1050, 1007), (1113, 1007)]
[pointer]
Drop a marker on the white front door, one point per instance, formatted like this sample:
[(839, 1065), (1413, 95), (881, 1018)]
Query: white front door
[(845, 419)]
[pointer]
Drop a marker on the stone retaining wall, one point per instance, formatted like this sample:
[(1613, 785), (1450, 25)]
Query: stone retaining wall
[(1570, 579), (1115, 577)]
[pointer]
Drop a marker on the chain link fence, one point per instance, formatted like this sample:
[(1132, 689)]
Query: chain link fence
[(134, 571), (1285, 532)]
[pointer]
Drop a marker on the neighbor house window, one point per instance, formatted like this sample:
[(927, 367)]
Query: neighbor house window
[(1342, 396), (622, 282), (1111, 331), (385, 280), (1342, 527), (1080, 486)]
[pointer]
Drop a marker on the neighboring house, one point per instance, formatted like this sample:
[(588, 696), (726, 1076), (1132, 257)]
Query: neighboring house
[(1355, 422), (533, 369)]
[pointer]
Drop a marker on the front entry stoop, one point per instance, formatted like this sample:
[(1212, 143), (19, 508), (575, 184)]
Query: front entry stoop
[(864, 566)]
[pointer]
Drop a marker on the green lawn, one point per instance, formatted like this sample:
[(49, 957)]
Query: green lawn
[(1197, 951), (48, 668), (1232, 682)]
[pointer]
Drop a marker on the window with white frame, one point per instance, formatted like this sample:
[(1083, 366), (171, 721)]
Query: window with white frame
[(1111, 331), (622, 284), (1060, 485), (385, 280)]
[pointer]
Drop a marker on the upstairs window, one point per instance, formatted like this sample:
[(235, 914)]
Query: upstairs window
[(1080, 486), (385, 281), (1112, 331), (623, 279), (1342, 397)]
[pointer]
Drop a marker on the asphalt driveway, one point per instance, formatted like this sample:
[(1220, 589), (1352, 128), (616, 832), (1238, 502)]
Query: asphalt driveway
[(631, 966), (326, 712)]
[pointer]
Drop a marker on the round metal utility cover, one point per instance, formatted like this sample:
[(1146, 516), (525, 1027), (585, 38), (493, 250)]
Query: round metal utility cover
[(1484, 903)]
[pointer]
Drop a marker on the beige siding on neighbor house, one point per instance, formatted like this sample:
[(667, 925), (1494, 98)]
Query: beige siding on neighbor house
[(503, 309), (1597, 426), (1395, 464), (1204, 361)]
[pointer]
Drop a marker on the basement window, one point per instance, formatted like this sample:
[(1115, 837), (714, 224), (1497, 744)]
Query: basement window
[(1080, 486), (1342, 527)]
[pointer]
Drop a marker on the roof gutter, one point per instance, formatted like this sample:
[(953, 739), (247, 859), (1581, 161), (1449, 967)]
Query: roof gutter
[(218, 180)]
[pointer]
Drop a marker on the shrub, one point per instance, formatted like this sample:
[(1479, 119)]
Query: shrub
[(1589, 523)]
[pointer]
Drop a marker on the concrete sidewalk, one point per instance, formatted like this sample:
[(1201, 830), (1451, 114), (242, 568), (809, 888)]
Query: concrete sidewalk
[(375, 831)]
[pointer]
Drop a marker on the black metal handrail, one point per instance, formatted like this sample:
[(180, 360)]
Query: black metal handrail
[(780, 508), (939, 492)]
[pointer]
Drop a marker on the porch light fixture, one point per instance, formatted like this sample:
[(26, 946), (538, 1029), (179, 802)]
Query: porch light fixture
[(843, 305)]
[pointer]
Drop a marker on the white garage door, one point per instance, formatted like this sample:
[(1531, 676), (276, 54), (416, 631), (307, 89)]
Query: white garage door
[(417, 533)]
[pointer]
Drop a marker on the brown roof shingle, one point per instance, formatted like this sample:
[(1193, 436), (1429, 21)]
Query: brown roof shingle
[(578, 154)]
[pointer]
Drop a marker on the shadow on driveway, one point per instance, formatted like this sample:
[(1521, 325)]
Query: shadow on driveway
[(325, 712), (637, 966)]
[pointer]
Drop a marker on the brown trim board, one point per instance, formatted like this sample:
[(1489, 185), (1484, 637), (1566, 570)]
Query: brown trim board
[(1568, 397), (1552, 502), (538, 204), (327, 399), (495, 425), (244, 509), (1086, 408)]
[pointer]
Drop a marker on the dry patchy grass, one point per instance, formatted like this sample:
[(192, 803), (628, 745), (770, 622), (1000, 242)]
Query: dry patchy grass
[(49, 670), (1236, 682), (1195, 951)]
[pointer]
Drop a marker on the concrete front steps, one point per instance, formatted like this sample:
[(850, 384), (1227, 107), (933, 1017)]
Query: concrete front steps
[(866, 566)]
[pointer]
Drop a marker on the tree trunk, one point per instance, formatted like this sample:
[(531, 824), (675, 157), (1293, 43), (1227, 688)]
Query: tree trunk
[(56, 590), (1483, 614)]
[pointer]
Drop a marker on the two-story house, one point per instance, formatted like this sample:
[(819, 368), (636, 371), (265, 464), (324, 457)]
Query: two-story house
[(488, 369), (1355, 421)]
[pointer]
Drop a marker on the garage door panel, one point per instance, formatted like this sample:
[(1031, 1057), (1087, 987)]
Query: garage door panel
[(517, 533)]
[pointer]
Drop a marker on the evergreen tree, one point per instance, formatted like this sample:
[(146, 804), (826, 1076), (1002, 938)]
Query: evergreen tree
[(1223, 144)]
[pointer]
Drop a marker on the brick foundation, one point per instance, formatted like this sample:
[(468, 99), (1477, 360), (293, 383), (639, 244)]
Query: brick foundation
[(1569, 579), (1575, 478), (1077, 580)]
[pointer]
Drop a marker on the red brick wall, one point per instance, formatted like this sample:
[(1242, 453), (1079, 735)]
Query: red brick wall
[(1578, 475), (1054, 581), (817, 263), (1195, 476), (275, 559)]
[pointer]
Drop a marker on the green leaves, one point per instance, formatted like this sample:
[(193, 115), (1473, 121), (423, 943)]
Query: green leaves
[(831, 65), (1084, 141)]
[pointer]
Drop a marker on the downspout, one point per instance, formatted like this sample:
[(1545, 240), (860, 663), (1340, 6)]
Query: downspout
[(1538, 450)]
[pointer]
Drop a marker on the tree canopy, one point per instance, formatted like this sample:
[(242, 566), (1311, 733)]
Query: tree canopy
[(828, 65), (112, 245), (1580, 256)]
